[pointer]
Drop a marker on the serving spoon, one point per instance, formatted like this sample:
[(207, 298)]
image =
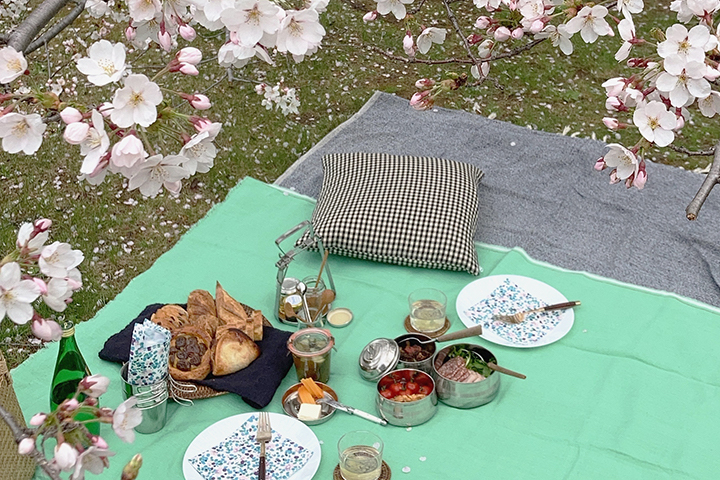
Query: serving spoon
[(464, 333)]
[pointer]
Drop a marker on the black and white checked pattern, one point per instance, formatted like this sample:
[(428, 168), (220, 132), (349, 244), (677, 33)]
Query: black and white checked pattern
[(414, 211)]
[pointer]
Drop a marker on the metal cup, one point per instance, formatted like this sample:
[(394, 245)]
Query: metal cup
[(151, 399)]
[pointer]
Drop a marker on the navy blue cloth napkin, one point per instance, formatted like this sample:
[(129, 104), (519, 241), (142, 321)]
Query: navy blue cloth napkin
[(256, 384)]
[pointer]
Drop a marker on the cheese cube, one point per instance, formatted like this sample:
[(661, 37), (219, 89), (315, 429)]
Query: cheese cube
[(309, 411)]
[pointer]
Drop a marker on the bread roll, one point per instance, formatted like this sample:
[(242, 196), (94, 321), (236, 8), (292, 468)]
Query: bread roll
[(200, 302), (173, 317), (234, 350)]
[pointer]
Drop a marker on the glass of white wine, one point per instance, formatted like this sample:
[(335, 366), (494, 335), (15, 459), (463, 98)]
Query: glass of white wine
[(360, 455), (427, 309)]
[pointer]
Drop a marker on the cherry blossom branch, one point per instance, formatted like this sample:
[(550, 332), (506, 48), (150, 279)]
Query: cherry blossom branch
[(712, 179), (18, 434), (24, 33), (399, 58), (692, 153), (58, 27), (459, 31)]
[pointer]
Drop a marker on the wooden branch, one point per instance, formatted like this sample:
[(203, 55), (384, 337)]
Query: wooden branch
[(19, 433), (38, 19), (460, 33), (712, 179), (692, 153), (417, 60), (61, 25)]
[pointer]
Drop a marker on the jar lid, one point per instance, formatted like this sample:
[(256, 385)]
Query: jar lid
[(310, 342), (289, 285), (378, 358), (339, 317)]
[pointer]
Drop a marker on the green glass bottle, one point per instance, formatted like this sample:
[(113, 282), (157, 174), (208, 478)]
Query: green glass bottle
[(70, 369)]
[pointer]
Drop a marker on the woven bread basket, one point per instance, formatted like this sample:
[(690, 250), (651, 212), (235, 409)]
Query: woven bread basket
[(13, 466)]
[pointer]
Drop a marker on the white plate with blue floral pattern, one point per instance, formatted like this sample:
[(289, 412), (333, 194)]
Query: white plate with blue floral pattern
[(480, 300), (227, 450)]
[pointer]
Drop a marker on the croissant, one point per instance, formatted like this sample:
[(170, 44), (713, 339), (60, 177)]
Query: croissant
[(200, 302), (233, 350)]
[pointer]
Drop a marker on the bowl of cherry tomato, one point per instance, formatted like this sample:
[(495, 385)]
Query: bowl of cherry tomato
[(406, 397)]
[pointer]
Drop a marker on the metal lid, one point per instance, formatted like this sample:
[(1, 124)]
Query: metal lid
[(289, 285), (309, 342), (378, 358)]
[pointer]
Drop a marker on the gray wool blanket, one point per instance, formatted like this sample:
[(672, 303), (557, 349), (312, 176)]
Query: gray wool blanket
[(541, 193)]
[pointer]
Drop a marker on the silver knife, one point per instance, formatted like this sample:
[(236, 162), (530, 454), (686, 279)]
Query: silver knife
[(352, 411)]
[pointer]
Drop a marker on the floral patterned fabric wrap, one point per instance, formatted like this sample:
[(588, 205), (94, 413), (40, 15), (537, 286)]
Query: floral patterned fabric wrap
[(149, 350), (508, 299), (238, 456)]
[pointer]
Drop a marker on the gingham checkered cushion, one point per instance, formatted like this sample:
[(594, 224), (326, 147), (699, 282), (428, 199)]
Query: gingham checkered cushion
[(414, 211)]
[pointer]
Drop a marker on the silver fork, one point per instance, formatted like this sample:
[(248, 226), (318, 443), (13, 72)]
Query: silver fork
[(520, 316), (264, 435)]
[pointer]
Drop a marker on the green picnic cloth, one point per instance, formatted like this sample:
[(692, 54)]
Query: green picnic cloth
[(631, 392)]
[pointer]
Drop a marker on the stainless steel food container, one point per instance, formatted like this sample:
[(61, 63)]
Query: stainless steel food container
[(465, 395), (291, 403), (424, 365), (407, 414)]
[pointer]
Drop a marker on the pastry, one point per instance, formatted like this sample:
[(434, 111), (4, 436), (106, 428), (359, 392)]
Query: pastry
[(234, 350), (208, 323), (200, 302), (232, 312), (172, 317), (190, 354)]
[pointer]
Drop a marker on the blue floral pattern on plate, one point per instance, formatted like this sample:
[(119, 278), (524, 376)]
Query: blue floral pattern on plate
[(237, 457), (509, 298)]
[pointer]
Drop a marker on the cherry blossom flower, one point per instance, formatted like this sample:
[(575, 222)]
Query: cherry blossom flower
[(12, 64), (58, 294), (70, 115), (37, 419), (96, 8), (250, 19), (628, 7), (21, 133), (703, 8), (396, 7), (532, 9), (656, 124), (623, 160), (190, 55), (94, 460), (57, 259), (428, 37), (684, 14), (16, 295), (144, 9), (502, 34), (125, 418), (689, 45), (300, 31), (489, 5), (32, 236), (683, 80), (626, 28), (156, 172), (370, 16), (75, 133), (65, 456), (128, 152), (46, 330), (710, 105), (136, 102), (95, 145), (559, 36), (590, 22), (105, 62), (199, 153), (94, 385)]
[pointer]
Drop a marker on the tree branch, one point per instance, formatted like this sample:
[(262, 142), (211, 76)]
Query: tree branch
[(712, 179), (61, 25), (19, 433), (24, 33), (692, 153), (462, 36)]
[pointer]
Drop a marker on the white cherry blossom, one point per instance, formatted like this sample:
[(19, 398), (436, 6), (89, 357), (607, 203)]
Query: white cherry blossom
[(559, 36), (57, 259), (21, 133), (300, 31), (199, 153), (429, 36), (105, 62), (623, 160), (65, 456), (710, 105), (702, 8), (136, 102), (250, 19), (532, 9), (92, 459), (591, 23), (656, 124), (96, 8), (683, 81), (16, 295), (143, 9), (58, 291), (396, 7), (95, 145), (489, 5), (34, 244), (628, 7), (125, 418), (684, 14), (690, 45), (12, 64), (128, 152), (626, 28), (158, 171)]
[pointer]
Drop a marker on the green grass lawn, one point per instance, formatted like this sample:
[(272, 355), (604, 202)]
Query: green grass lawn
[(122, 234)]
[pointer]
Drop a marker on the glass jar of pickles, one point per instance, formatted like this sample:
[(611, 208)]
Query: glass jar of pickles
[(311, 349)]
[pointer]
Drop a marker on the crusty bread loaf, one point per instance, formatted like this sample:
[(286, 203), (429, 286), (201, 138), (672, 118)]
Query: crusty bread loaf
[(233, 350)]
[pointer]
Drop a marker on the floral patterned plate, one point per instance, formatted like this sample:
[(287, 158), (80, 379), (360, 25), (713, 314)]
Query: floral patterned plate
[(480, 300), (227, 450)]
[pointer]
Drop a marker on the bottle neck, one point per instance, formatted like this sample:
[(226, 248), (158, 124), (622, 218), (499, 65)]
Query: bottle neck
[(68, 331)]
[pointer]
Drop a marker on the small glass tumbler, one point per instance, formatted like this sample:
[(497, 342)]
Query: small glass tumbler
[(314, 292), (315, 320), (427, 309), (360, 455)]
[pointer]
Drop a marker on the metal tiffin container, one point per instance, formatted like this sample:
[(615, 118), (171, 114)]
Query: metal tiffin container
[(406, 413), (462, 394)]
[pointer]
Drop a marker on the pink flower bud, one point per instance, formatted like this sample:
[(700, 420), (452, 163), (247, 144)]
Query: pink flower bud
[(70, 404), (130, 33), (41, 285), (187, 32), (536, 26), (105, 109), (42, 224), (165, 41), (424, 83), (26, 446), (711, 74), (94, 385), (76, 133), (517, 33), (409, 44), (190, 55), (613, 103), (614, 178), (200, 102), (482, 22), (370, 16), (70, 115), (99, 442), (641, 177), (611, 123), (485, 48), (680, 122), (474, 38), (422, 100), (65, 456), (187, 69), (38, 419), (502, 34), (600, 164)]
